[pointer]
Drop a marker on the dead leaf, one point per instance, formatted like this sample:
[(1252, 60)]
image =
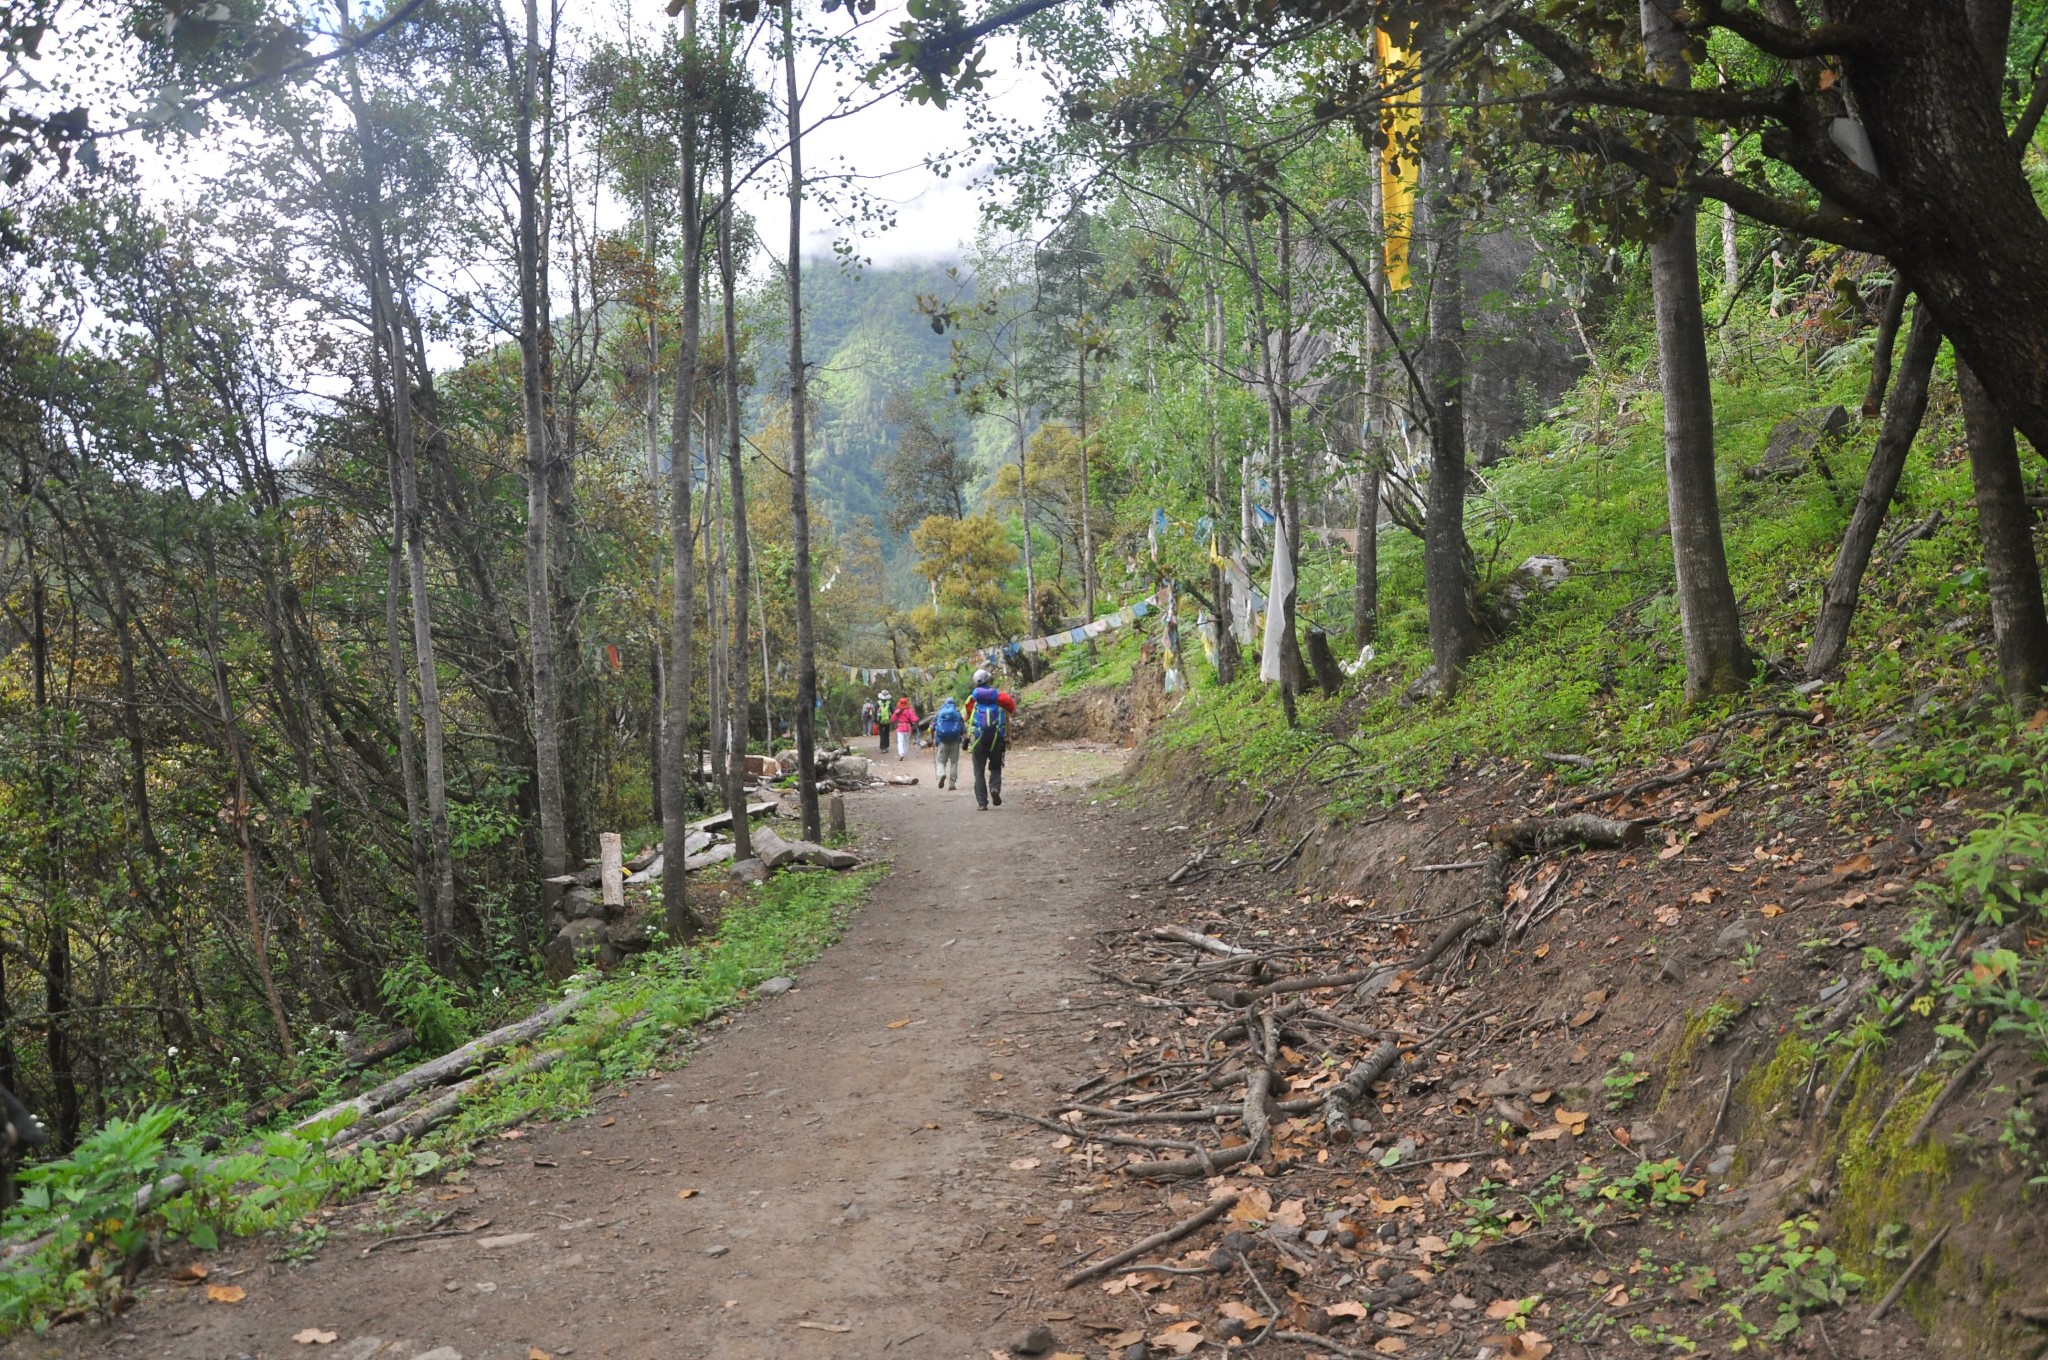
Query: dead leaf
[(192, 1272), (1856, 866), (1252, 1317), (536, 1353), (688, 1194), (2038, 721), (1668, 916), (1707, 819), (1503, 1308), (1575, 1120), (1292, 1213), (313, 1336), (995, 1076), (1024, 1164), (1350, 1310), (225, 1293), (1705, 895), (1182, 1338), (1543, 950), (1401, 1320), (1616, 1296), (1672, 851), (1431, 1244), (1529, 1346), (1771, 909), (1390, 1345), (899, 1024), (1453, 1170)]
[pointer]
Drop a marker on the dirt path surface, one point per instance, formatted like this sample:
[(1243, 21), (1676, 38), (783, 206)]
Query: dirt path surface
[(845, 1193)]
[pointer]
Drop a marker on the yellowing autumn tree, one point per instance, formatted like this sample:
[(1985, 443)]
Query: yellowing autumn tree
[(967, 565)]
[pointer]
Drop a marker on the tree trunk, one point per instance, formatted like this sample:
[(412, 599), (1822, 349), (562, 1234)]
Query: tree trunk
[(433, 847), (799, 483), (1903, 412), (2006, 525), (1087, 515), (533, 380), (1445, 555), (1365, 581), (1881, 349), (736, 786), (677, 774), (1717, 659)]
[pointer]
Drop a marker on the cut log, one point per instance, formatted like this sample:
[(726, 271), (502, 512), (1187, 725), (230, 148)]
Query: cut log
[(725, 818), (611, 871)]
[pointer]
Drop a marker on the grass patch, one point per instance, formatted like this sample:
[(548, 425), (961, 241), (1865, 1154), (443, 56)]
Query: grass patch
[(1596, 666), (635, 1022)]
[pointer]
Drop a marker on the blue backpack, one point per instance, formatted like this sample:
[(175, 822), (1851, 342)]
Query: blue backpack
[(988, 713), (949, 725)]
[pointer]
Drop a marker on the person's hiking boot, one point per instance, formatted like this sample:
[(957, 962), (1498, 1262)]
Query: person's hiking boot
[(995, 798)]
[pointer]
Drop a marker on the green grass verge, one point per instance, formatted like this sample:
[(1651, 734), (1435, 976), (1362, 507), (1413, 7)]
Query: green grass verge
[(1596, 666), (637, 1020)]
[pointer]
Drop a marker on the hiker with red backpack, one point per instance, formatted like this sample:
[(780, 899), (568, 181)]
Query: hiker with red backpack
[(988, 727), (904, 720)]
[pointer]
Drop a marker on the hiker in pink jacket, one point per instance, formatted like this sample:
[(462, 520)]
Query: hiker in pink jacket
[(904, 720)]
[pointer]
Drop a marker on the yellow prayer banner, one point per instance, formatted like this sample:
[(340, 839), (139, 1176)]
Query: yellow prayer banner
[(1400, 162)]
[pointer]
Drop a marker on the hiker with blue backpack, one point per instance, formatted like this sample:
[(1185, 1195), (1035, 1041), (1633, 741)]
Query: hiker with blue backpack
[(949, 729), (988, 725)]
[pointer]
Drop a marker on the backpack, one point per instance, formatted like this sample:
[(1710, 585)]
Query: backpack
[(989, 716), (949, 725)]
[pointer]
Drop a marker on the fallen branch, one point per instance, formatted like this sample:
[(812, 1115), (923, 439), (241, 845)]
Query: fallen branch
[(1293, 850), (1576, 762), (1198, 940), (1216, 1209), (1650, 785), (1891, 1296), (1191, 866), (1955, 1083)]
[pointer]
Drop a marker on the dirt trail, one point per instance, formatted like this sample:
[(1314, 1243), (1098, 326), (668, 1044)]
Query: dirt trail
[(842, 1179)]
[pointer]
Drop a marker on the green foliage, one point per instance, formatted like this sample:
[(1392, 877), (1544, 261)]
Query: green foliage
[(429, 1005), (1794, 1272), (1621, 1082)]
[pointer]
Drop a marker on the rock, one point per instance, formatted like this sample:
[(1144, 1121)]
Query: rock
[(1724, 1160), (646, 857), (1799, 443), (1733, 935), (772, 850), (632, 936), (749, 871), (503, 1240), (764, 767), (1037, 1341), (716, 1251), (1543, 572), (579, 902), (1809, 687), (775, 986), (1887, 739), (855, 768), (1671, 970), (717, 854), (576, 942), (439, 1353), (648, 871), (787, 760), (828, 858)]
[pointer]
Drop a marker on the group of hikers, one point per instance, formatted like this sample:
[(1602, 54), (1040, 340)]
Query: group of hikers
[(983, 727)]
